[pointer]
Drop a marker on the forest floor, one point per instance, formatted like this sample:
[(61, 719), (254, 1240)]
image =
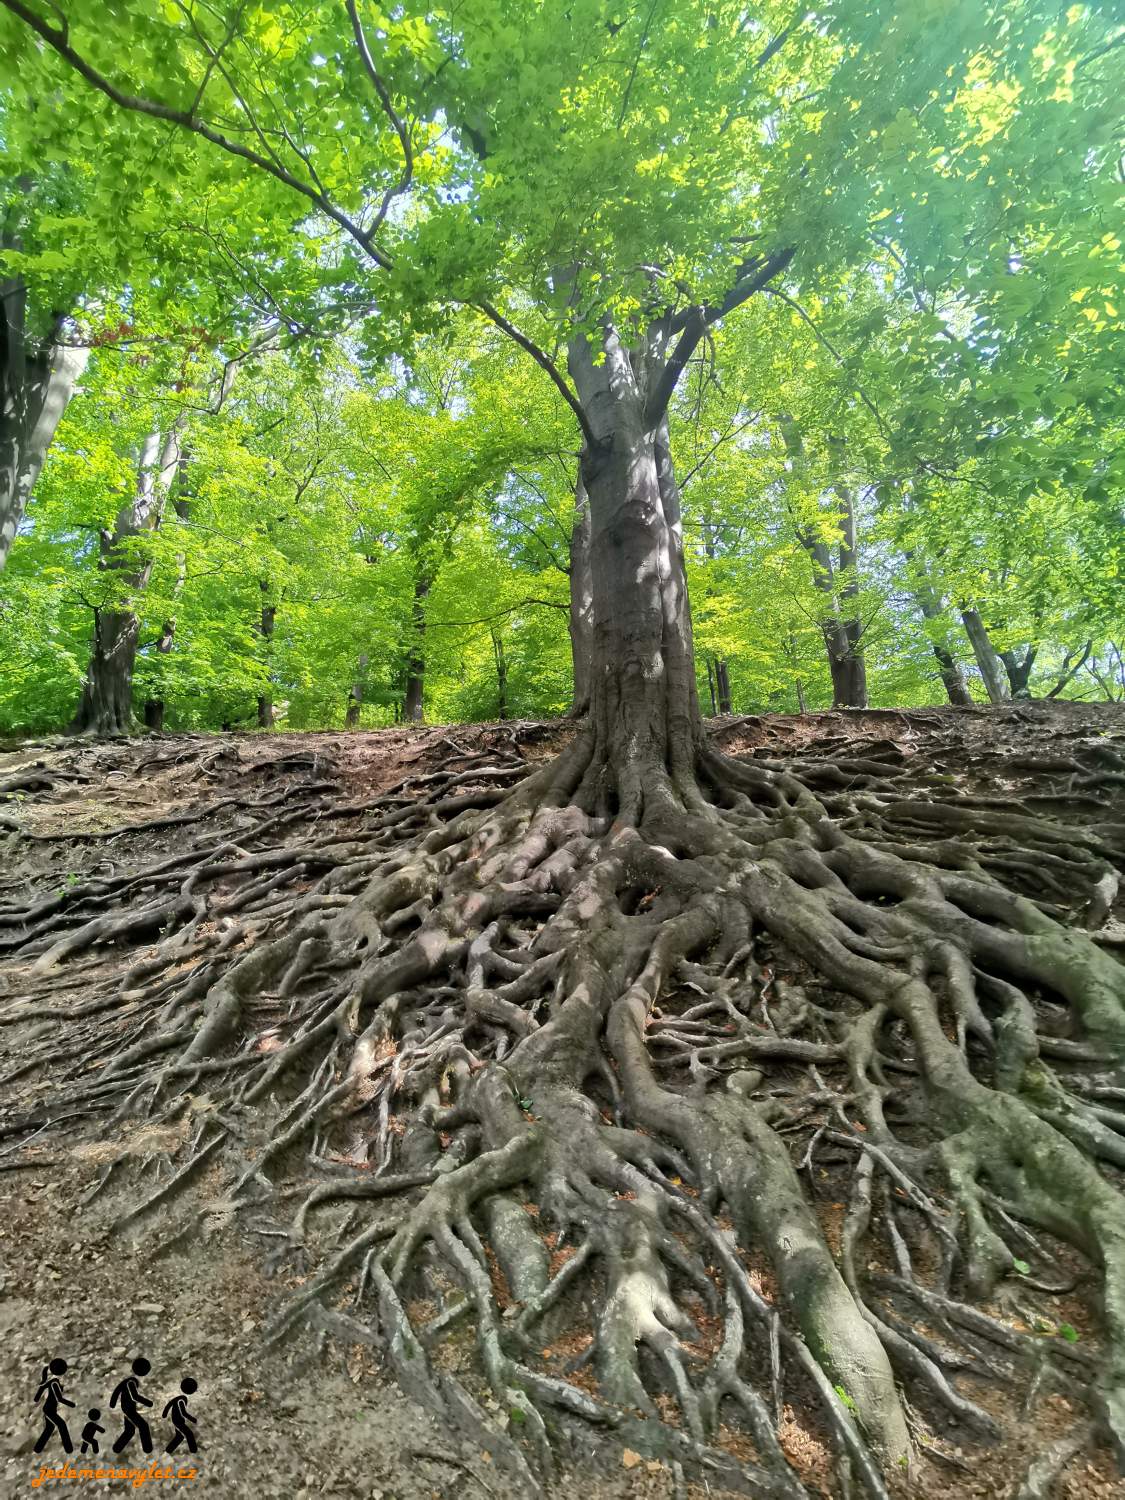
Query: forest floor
[(322, 1416)]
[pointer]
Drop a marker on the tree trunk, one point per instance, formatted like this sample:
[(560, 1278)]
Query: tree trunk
[(106, 704), (28, 422), (990, 665), (154, 706), (718, 673), (37, 380), (842, 632), (853, 669), (581, 601), (501, 675), (933, 609), (413, 706), (1019, 672), (644, 709), (722, 683), (265, 627), (355, 696)]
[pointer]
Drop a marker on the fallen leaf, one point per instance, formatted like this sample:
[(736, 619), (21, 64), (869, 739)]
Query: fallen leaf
[(629, 1459)]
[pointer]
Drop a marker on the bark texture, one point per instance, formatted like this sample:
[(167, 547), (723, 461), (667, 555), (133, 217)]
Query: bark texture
[(581, 617), (932, 608), (266, 621), (36, 385), (413, 699), (501, 674), (837, 580), (106, 702), (989, 664), (355, 695)]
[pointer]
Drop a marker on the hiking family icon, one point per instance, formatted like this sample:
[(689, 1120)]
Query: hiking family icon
[(128, 1399)]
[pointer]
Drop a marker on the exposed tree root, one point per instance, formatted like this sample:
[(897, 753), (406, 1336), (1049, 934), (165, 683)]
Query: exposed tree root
[(568, 1054)]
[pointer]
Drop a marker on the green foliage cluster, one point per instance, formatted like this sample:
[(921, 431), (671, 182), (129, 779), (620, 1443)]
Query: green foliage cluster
[(301, 252)]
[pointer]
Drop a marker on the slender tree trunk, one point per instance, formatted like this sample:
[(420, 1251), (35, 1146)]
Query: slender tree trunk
[(265, 626), (802, 707), (1019, 672), (853, 669), (581, 601), (154, 706), (413, 704), (842, 632), (106, 704), (355, 696), (722, 683), (501, 675), (718, 680), (989, 663), (932, 608)]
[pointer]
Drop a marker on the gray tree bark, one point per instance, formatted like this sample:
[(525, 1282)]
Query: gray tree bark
[(991, 667), (1019, 672), (266, 623), (644, 709), (501, 674), (718, 670), (106, 703), (35, 388), (839, 624), (932, 608), (413, 700), (355, 694), (581, 619), (154, 705)]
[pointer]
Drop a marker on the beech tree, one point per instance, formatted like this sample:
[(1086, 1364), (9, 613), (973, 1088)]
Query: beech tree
[(606, 189)]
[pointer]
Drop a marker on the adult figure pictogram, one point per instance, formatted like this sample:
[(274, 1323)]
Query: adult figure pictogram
[(91, 1430), (181, 1417), (128, 1397), (50, 1392)]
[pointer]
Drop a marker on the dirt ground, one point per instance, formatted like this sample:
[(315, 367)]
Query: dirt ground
[(316, 1416)]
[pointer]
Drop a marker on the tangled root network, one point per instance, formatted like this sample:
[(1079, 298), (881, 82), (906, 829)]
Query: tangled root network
[(490, 1061)]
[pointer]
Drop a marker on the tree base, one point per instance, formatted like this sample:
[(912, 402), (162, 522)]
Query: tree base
[(799, 1083)]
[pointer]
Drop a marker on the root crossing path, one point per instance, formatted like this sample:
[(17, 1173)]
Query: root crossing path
[(766, 1113)]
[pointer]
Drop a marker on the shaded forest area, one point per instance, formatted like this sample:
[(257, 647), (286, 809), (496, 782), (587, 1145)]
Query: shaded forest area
[(681, 1044)]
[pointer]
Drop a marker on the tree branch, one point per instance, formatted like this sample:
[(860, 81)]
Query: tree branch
[(699, 319), (500, 614), (57, 41), (544, 361), (1065, 675), (389, 110)]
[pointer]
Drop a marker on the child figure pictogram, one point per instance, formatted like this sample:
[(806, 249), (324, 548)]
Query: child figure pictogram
[(91, 1430), (50, 1391), (177, 1410)]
